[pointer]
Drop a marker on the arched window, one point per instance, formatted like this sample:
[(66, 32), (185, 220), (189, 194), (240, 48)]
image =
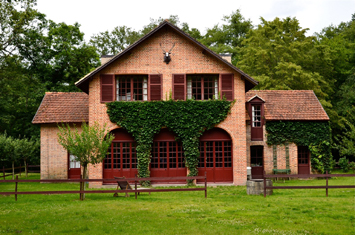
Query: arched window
[(121, 159), (216, 156)]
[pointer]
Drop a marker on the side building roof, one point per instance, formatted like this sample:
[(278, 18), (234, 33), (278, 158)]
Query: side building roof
[(292, 105), (57, 107)]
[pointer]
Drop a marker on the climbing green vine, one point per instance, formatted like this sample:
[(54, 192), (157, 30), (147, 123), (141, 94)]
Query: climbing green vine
[(187, 119), (315, 135)]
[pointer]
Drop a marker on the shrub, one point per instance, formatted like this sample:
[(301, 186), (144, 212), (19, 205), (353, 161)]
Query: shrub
[(344, 164), (352, 166)]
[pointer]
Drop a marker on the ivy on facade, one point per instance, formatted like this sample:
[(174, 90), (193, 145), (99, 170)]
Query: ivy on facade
[(315, 135), (187, 119)]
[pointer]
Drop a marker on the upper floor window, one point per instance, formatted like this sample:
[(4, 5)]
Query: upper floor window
[(202, 87), (256, 115), (131, 87)]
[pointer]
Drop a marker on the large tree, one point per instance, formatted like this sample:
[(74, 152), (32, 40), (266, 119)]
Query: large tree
[(36, 55), (280, 55), (228, 37)]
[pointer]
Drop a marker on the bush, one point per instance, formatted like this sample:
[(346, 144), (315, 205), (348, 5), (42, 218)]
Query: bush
[(344, 164), (352, 166)]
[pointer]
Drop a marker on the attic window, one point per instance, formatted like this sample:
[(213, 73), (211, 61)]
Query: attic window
[(256, 115)]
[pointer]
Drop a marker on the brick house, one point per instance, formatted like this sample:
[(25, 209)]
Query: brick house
[(140, 73)]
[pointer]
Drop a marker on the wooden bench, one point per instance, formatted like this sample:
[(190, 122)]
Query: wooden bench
[(123, 185), (281, 171)]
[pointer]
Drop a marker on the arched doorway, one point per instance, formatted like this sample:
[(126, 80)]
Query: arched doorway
[(216, 156), (121, 159), (167, 156)]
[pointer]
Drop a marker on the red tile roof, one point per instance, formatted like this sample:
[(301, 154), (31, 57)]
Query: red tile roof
[(59, 107), (290, 105)]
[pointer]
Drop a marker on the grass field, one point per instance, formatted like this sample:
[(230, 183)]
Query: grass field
[(227, 210)]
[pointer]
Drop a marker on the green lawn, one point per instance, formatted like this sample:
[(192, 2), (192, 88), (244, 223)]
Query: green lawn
[(227, 210)]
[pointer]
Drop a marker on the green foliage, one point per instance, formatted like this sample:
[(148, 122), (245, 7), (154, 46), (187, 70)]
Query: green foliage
[(228, 37), (187, 119), (344, 164), (88, 145), (111, 43), (315, 135), (352, 166), (13, 150), (280, 55)]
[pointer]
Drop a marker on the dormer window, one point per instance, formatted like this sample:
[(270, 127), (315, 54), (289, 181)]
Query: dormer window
[(256, 115), (255, 107)]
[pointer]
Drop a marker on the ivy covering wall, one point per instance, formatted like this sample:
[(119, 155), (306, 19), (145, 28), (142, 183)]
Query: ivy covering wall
[(187, 119), (315, 135)]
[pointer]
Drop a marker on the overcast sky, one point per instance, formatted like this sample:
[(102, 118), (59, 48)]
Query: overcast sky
[(98, 16)]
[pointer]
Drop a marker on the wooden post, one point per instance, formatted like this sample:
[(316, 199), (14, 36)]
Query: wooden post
[(16, 188), (135, 186), (326, 184), (264, 183), (205, 184)]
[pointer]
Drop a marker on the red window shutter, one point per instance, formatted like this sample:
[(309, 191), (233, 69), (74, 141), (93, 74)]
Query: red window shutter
[(155, 87), (179, 86), (227, 86), (107, 83)]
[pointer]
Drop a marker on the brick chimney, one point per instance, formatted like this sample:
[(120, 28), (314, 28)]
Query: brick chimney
[(105, 58), (227, 57)]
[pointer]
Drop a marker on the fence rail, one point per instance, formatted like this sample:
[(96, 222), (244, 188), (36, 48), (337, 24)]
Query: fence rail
[(326, 176), (34, 166), (135, 190)]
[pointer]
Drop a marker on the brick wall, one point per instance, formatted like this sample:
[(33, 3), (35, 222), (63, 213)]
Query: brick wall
[(54, 158), (186, 58), (269, 153)]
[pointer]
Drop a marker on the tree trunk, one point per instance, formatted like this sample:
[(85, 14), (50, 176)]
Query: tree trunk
[(26, 168), (83, 183), (13, 169)]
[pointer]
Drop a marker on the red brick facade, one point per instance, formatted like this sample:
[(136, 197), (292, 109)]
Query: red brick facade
[(186, 58)]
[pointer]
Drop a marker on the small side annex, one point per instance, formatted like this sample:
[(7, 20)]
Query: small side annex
[(265, 106), (60, 108)]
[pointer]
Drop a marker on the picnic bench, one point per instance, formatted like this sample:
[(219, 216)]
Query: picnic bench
[(123, 185)]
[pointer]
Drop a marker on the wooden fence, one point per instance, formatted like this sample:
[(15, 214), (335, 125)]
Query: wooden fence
[(326, 176), (19, 170), (8, 171), (136, 180)]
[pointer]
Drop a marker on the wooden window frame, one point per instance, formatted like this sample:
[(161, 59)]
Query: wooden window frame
[(202, 81), (132, 83), (132, 152), (257, 133)]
